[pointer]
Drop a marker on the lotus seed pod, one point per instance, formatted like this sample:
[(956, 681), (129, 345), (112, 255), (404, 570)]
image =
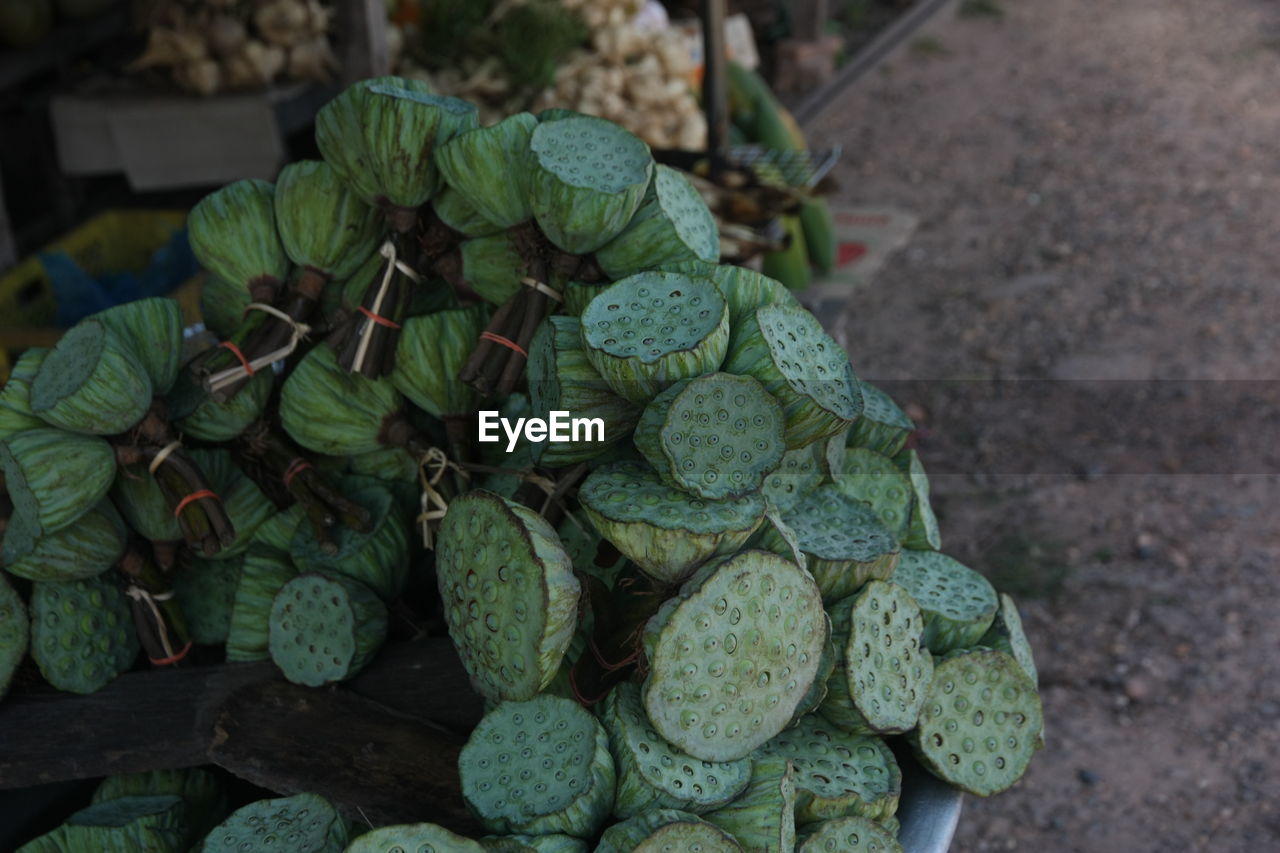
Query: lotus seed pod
[(561, 379), (379, 558), (838, 773), (206, 593), (81, 550), (233, 235), (198, 414), (154, 824), (332, 411), (665, 531), (492, 266), (143, 505), (393, 464), (882, 674), (872, 478), (588, 177), (323, 225), (262, 575), (981, 722), (14, 627), (1006, 635), (578, 294), (798, 474), (54, 477), (204, 801), (846, 545), (582, 542), (510, 597), (325, 629), (958, 604), (777, 537), (54, 841), (891, 825), (276, 533), (381, 135), (757, 623), (413, 838), (457, 213), (664, 830), (304, 823), (82, 633), (745, 291), (883, 426), (556, 113), (673, 224), (245, 504), (432, 351), (922, 529), (222, 305), (653, 329), (91, 383), (15, 394), (538, 766), (489, 167), (849, 835), (152, 329), (716, 436), (763, 818), (785, 347), (533, 844), (653, 774)]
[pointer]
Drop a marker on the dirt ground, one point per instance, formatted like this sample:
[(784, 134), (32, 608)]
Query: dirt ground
[(1099, 198)]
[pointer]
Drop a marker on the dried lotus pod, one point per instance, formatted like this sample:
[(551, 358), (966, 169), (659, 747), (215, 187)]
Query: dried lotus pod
[(197, 413), (54, 477), (922, 529), (867, 476), (762, 819), (262, 574), (673, 224), (883, 426), (152, 823), (233, 235), (81, 550), (206, 592), (323, 225), (309, 822), (460, 215), (757, 623), (329, 410), (716, 436), (588, 178), (653, 329), (82, 633), (959, 604), (15, 394), (15, 626), (1006, 635), (489, 167), (429, 355), (202, 794), (527, 739), (663, 830), (325, 628), (152, 330), (378, 557), (667, 532), (91, 382), (850, 834), (413, 836)]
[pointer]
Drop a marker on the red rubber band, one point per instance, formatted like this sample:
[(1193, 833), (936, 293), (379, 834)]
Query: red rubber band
[(194, 496), (296, 467), (381, 321), (506, 342), (179, 656), (235, 350)]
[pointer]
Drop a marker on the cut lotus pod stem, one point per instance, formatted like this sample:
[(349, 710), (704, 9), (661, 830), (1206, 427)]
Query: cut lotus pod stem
[(193, 500), (375, 333), (475, 366), (157, 616)]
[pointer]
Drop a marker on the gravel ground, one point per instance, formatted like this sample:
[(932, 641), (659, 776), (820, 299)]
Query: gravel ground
[(1099, 198)]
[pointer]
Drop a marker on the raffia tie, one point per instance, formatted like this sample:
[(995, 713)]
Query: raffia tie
[(432, 505), (298, 333), (137, 593), (545, 290), (162, 455), (394, 264)]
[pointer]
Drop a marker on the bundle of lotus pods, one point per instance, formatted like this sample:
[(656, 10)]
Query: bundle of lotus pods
[(699, 614)]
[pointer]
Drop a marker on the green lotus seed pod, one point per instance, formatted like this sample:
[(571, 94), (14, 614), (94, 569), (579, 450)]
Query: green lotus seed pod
[(664, 830), (883, 426), (492, 267), (880, 681), (837, 773), (304, 823), (844, 541), (538, 766), (981, 722), (959, 604), (561, 379), (14, 626), (332, 411), (432, 351), (745, 291), (777, 537), (54, 841), (262, 575), (849, 835), (276, 533), (785, 347), (653, 329), (922, 530), (665, 531), (872, 478), (716, 436), (82, 633), (233, 235), (152, 330), (533, 844), (1006, 635), (143, 505), (206, 593), (578, 294), (204, 801), (763, 818), (381, 135), (325, 629), (91, 383), (222, 305), (323, 225), (379, 558), (244, 503), (146, 824), (588, 177), (413, 838), (393, 464), (81, 550), (54, 477), (673, 224), (198, 414), (15, 394), (489, 167), (758, 628), (459, 214), (510, 597), (798, 474)]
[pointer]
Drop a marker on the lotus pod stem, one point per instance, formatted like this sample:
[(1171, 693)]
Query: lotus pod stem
[(157, 616)]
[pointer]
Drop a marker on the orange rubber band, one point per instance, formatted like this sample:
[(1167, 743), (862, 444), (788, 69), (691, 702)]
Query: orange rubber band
[(168, 661), (194, 496), (296, 467), (381, 321), (235, 350), (506, 342)]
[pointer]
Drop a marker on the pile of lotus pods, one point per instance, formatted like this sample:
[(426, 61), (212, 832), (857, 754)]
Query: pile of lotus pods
[(699, 625)]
